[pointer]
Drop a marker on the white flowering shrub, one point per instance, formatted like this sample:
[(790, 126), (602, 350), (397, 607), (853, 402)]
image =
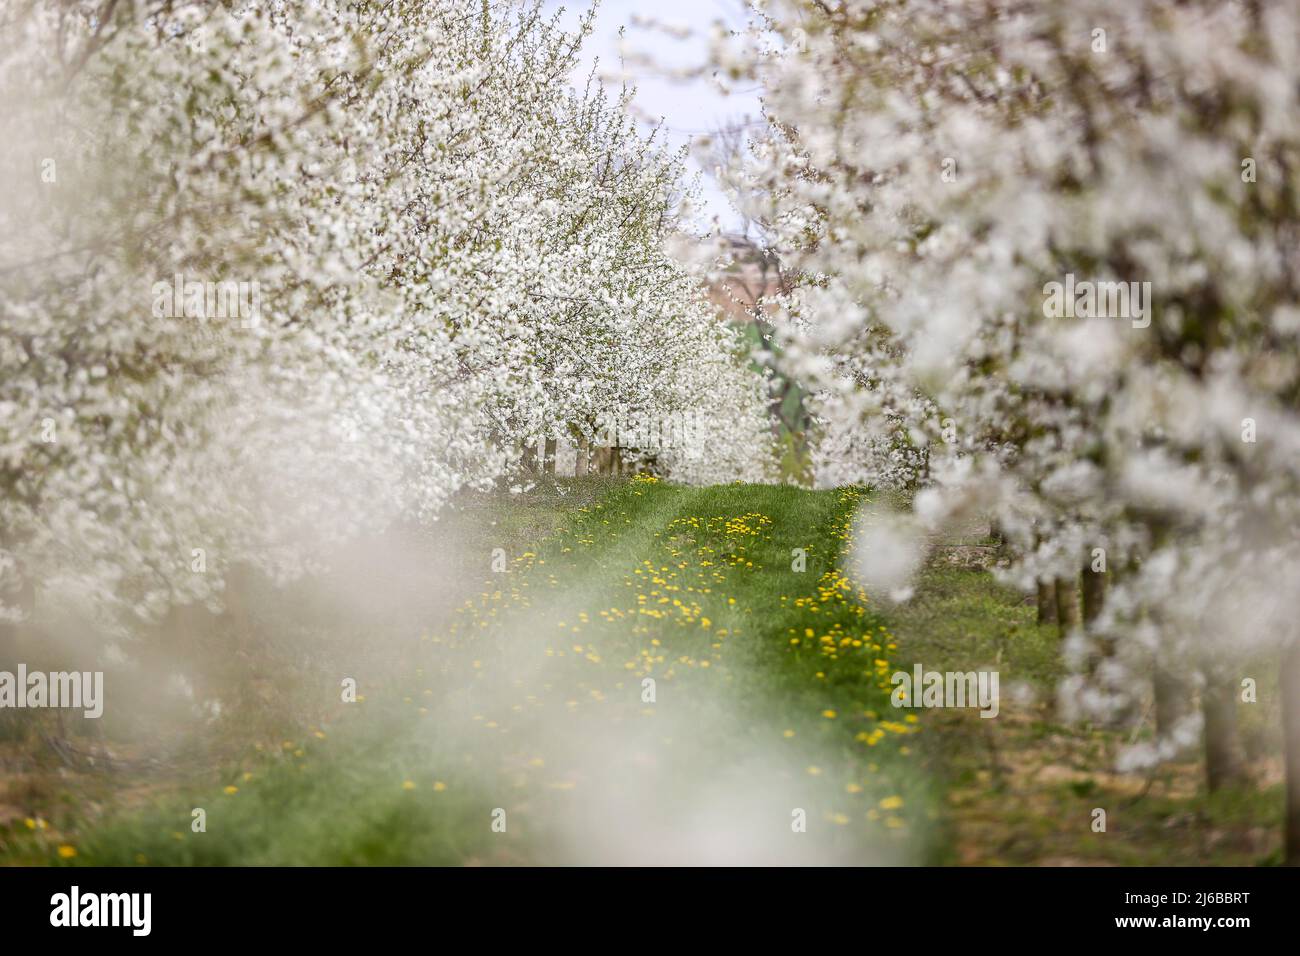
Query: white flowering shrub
[(272, 275), (1072, 228)]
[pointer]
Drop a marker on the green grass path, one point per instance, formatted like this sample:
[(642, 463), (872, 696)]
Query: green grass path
[(527, 731)]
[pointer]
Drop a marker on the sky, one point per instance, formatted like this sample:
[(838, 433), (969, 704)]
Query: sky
[(689, 109)]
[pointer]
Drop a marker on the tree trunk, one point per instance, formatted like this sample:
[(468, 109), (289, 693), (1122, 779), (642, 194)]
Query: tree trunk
[(529, 457), (1067, 605), (583, 462), (999, 539), (1046, 601), (1094, 599), (1172, 691), (1289, 678), (1094, 593), (18, 592), (1173, 699), (548, 464), (1224, 763)]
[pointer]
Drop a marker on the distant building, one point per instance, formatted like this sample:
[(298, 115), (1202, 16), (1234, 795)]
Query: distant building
[(754, 274)]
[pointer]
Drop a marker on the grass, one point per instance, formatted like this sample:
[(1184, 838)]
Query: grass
[(1022, 789), (662, 674), (768, 708)]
